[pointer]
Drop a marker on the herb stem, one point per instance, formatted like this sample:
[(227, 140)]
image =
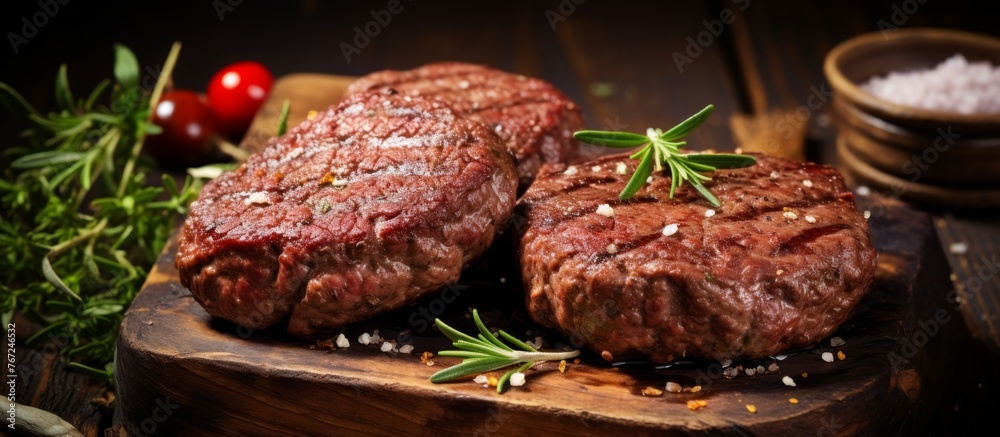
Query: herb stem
[(154, 99), (659, 150)]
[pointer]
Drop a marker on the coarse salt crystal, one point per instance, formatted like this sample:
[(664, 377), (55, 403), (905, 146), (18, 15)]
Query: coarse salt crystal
[(517, 379), (670, 229), (772, 368), (365, 339), (606, 210), (386, 347), (810, 219), (503, 280), (788, 381), (406, 348), (339, 183), (807, 183), (709, 213), (571, 170), (837, 342), (257, 197), (481, 379), (789, 215), (780, 357), (867, 214), (958, 248), (828, 357), (595, 168), (673, 387), (774, 174), (751, 371), (342, 341), (620, 168), (863, 190), (649, 180), (612, 249)]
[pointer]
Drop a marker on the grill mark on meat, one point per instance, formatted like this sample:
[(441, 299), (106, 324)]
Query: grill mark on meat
[(631, 244), (553, 220), (577, 184), (533, 114), (524, 101), (797, 244), (744, 283), (406, 223), (754, 212)]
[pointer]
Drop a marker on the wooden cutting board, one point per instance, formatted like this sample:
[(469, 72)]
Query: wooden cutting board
[(179, 372)]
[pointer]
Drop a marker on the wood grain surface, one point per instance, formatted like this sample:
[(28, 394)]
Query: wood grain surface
[(220, 376)]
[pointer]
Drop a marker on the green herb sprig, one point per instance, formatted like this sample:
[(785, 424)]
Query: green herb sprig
[(663, 149), (487, 352), (80, 225)]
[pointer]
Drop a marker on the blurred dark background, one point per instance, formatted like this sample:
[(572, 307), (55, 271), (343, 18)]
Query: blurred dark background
[(580, 46)]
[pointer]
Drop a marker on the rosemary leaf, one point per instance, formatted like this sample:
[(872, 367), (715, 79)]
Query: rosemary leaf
[(642, 172), (721, 160), (471, 366), (625, 140), (687, 126)]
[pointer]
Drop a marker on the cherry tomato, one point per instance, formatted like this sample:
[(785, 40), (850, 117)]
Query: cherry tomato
[(188, 127), (236, 92)]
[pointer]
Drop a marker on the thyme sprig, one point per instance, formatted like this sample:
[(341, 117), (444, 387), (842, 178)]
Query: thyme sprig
[(663, 149), (487, 352)]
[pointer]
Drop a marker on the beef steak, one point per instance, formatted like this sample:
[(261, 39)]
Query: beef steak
[(361, 210), (780, 264), (533, 117)]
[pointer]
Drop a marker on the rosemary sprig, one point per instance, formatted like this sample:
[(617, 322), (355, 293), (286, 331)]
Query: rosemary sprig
[(81, 218), (662, 149), (487, 352)]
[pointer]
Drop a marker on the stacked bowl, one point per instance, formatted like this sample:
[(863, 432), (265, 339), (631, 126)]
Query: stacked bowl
[(932, 157)]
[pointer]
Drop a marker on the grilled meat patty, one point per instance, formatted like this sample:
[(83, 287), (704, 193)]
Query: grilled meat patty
[(533, 117), (780, 264), (361, 210)]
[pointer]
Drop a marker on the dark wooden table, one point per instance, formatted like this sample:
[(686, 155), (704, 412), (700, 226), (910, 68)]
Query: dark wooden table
[(629, 66)]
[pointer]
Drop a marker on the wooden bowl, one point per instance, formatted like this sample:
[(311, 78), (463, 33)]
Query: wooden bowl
[(858, 59), (858, 172), (941, 159)]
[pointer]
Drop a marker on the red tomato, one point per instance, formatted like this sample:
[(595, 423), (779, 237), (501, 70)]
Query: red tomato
[(188, 129), (235, 94)]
